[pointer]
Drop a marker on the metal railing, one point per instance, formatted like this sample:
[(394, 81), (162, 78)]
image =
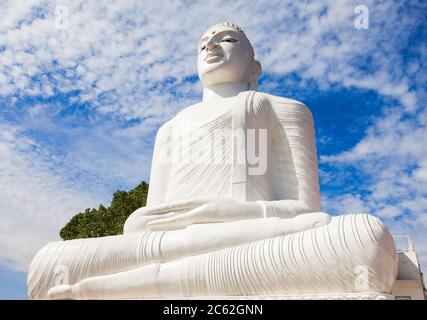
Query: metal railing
[(404, 243)]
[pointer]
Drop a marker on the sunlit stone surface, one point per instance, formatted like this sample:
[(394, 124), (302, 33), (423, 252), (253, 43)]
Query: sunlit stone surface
[(233, 207)]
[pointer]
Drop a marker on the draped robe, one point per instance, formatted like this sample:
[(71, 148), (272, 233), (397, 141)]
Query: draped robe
[(209, 158)]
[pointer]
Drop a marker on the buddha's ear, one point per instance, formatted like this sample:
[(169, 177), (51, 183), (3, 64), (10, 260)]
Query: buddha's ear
[(255, 73), (256, 68)]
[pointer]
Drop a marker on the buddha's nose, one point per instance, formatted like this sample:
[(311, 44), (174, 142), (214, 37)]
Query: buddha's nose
[(211, 44)]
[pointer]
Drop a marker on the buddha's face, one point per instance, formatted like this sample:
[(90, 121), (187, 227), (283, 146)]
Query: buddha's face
[(223, 57)]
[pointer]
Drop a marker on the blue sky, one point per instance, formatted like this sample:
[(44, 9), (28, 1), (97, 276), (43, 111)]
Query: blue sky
[(83, 91)]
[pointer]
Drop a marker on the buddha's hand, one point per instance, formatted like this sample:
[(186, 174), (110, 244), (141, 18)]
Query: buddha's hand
[(138, 220), (206, 211)]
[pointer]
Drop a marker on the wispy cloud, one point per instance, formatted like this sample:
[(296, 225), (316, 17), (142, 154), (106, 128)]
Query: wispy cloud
[(123, 59), (34, 197)]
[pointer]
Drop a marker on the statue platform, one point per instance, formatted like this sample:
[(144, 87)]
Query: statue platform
[(326, 296)]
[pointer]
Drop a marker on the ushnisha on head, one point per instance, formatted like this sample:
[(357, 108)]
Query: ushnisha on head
[(225, 55)]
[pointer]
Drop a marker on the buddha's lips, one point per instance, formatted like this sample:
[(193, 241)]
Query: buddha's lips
[(213, 57)]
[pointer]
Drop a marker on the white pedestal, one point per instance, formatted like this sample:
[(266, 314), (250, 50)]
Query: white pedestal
[(322, 296)]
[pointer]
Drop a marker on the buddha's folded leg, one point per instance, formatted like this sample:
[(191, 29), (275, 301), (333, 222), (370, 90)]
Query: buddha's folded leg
[(353, 253), (69, 262), (136, 283)]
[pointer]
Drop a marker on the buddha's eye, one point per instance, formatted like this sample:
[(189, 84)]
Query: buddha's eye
[(202, 48), (229, 40)]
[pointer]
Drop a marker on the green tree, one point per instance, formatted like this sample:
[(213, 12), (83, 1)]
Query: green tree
[(104, 221)]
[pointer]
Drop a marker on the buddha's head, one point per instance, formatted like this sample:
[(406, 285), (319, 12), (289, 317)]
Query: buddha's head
[(226, 56)]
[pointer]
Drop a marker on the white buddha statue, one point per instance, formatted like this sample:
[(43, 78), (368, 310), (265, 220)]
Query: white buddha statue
[(233, 207)]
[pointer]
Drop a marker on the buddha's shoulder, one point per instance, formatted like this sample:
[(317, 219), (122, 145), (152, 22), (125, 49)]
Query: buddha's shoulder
[(189, 111), (181, 117), (279, 102)]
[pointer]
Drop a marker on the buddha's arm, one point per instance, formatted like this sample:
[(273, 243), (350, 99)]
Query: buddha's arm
[(292, 160), (160, 167)]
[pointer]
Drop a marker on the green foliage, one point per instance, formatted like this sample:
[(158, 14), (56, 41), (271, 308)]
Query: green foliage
[(106, 221)]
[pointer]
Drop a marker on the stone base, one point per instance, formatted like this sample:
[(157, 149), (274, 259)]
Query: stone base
[(324, 296)]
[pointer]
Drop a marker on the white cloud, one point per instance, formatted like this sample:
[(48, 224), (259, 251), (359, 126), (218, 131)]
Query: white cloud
[(35, 201), (122, 49), (344, 204)]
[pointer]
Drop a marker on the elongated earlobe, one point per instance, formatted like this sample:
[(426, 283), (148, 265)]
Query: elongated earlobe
[(255, 73)]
